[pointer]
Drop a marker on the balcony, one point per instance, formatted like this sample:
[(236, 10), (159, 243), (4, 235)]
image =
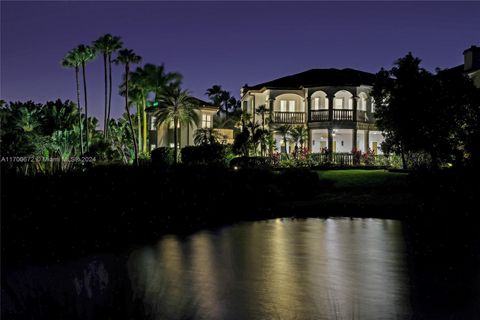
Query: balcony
[(338, 115), (319, 115), (289, 117)]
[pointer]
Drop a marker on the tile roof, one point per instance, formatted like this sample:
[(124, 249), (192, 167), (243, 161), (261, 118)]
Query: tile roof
[(319, 77)]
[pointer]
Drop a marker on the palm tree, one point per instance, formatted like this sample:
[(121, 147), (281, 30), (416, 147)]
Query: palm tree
[(223, 122), (203, 136), (127, 57), (256, 137), (177, 106), (214, 93), (150, 78), (107, 44), (72, 60), (299, 134), (269, 140), (85, 54), (158, 80), (262, 110), (139, 89), (284, 130)]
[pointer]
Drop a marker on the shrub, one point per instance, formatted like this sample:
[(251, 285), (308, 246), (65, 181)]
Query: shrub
[(251, 162), (162, 156), (204, 154), (298, 183)]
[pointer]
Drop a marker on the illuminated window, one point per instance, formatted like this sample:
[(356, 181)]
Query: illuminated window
[(316, 104), (291, 106), (206, 120), (326, 103), (338, 103), (373, 105), (283, 105)]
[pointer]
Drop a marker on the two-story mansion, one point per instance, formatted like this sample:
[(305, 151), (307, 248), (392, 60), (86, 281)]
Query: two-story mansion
[(335, 105)]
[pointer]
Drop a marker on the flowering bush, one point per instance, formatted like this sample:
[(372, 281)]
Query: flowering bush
[(368, 158), (357, 156)]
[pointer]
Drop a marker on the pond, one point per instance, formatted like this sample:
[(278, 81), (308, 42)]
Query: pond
[(276, 269)]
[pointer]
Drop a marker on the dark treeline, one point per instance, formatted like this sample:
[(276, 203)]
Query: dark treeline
[(432, 117)]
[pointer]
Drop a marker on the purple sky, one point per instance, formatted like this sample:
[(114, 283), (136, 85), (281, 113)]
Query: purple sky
[(226, 43)]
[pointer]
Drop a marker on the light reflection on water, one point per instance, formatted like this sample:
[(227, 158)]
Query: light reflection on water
[(277, 269)]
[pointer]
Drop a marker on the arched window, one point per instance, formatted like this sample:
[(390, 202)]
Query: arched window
[(319, 100), (288, 102), (362, 101), (343, 100)]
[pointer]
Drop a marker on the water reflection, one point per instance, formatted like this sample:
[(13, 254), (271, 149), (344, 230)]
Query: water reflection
[(279, 269)]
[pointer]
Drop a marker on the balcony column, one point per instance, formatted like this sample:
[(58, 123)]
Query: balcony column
[(330, 143), (270, 102), (309, 147), (331, 99), (308, 107), (354, 106), (367, 140), (354, 139)]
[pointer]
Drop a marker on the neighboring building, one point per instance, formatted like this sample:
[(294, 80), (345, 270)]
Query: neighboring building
[(334, 104), (162, 136), (471, 64)]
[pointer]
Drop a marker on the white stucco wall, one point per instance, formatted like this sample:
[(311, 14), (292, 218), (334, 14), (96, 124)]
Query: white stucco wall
[(343, 140)]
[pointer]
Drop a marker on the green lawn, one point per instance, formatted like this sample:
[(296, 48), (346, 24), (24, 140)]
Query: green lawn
[(377, 192), (358, 180)]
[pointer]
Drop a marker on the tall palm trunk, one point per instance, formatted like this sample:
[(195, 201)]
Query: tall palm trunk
[(109, 89), (86, 104), (144, 113), (139, 126), (79, 109), (135, 147), (175, 147), (106, 98)]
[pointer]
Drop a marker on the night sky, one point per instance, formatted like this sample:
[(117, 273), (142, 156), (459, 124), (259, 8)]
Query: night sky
[(227, 43)]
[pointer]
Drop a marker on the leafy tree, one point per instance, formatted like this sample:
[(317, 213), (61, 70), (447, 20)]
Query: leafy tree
[(420, 112), (457, 125), (177, 107), (399, 102), (121, 138), (107, 44), (128, 57), (241, 142)]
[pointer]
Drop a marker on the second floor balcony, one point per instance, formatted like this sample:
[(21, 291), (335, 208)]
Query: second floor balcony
[(338, 115), (288, 117), (320, 115)]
